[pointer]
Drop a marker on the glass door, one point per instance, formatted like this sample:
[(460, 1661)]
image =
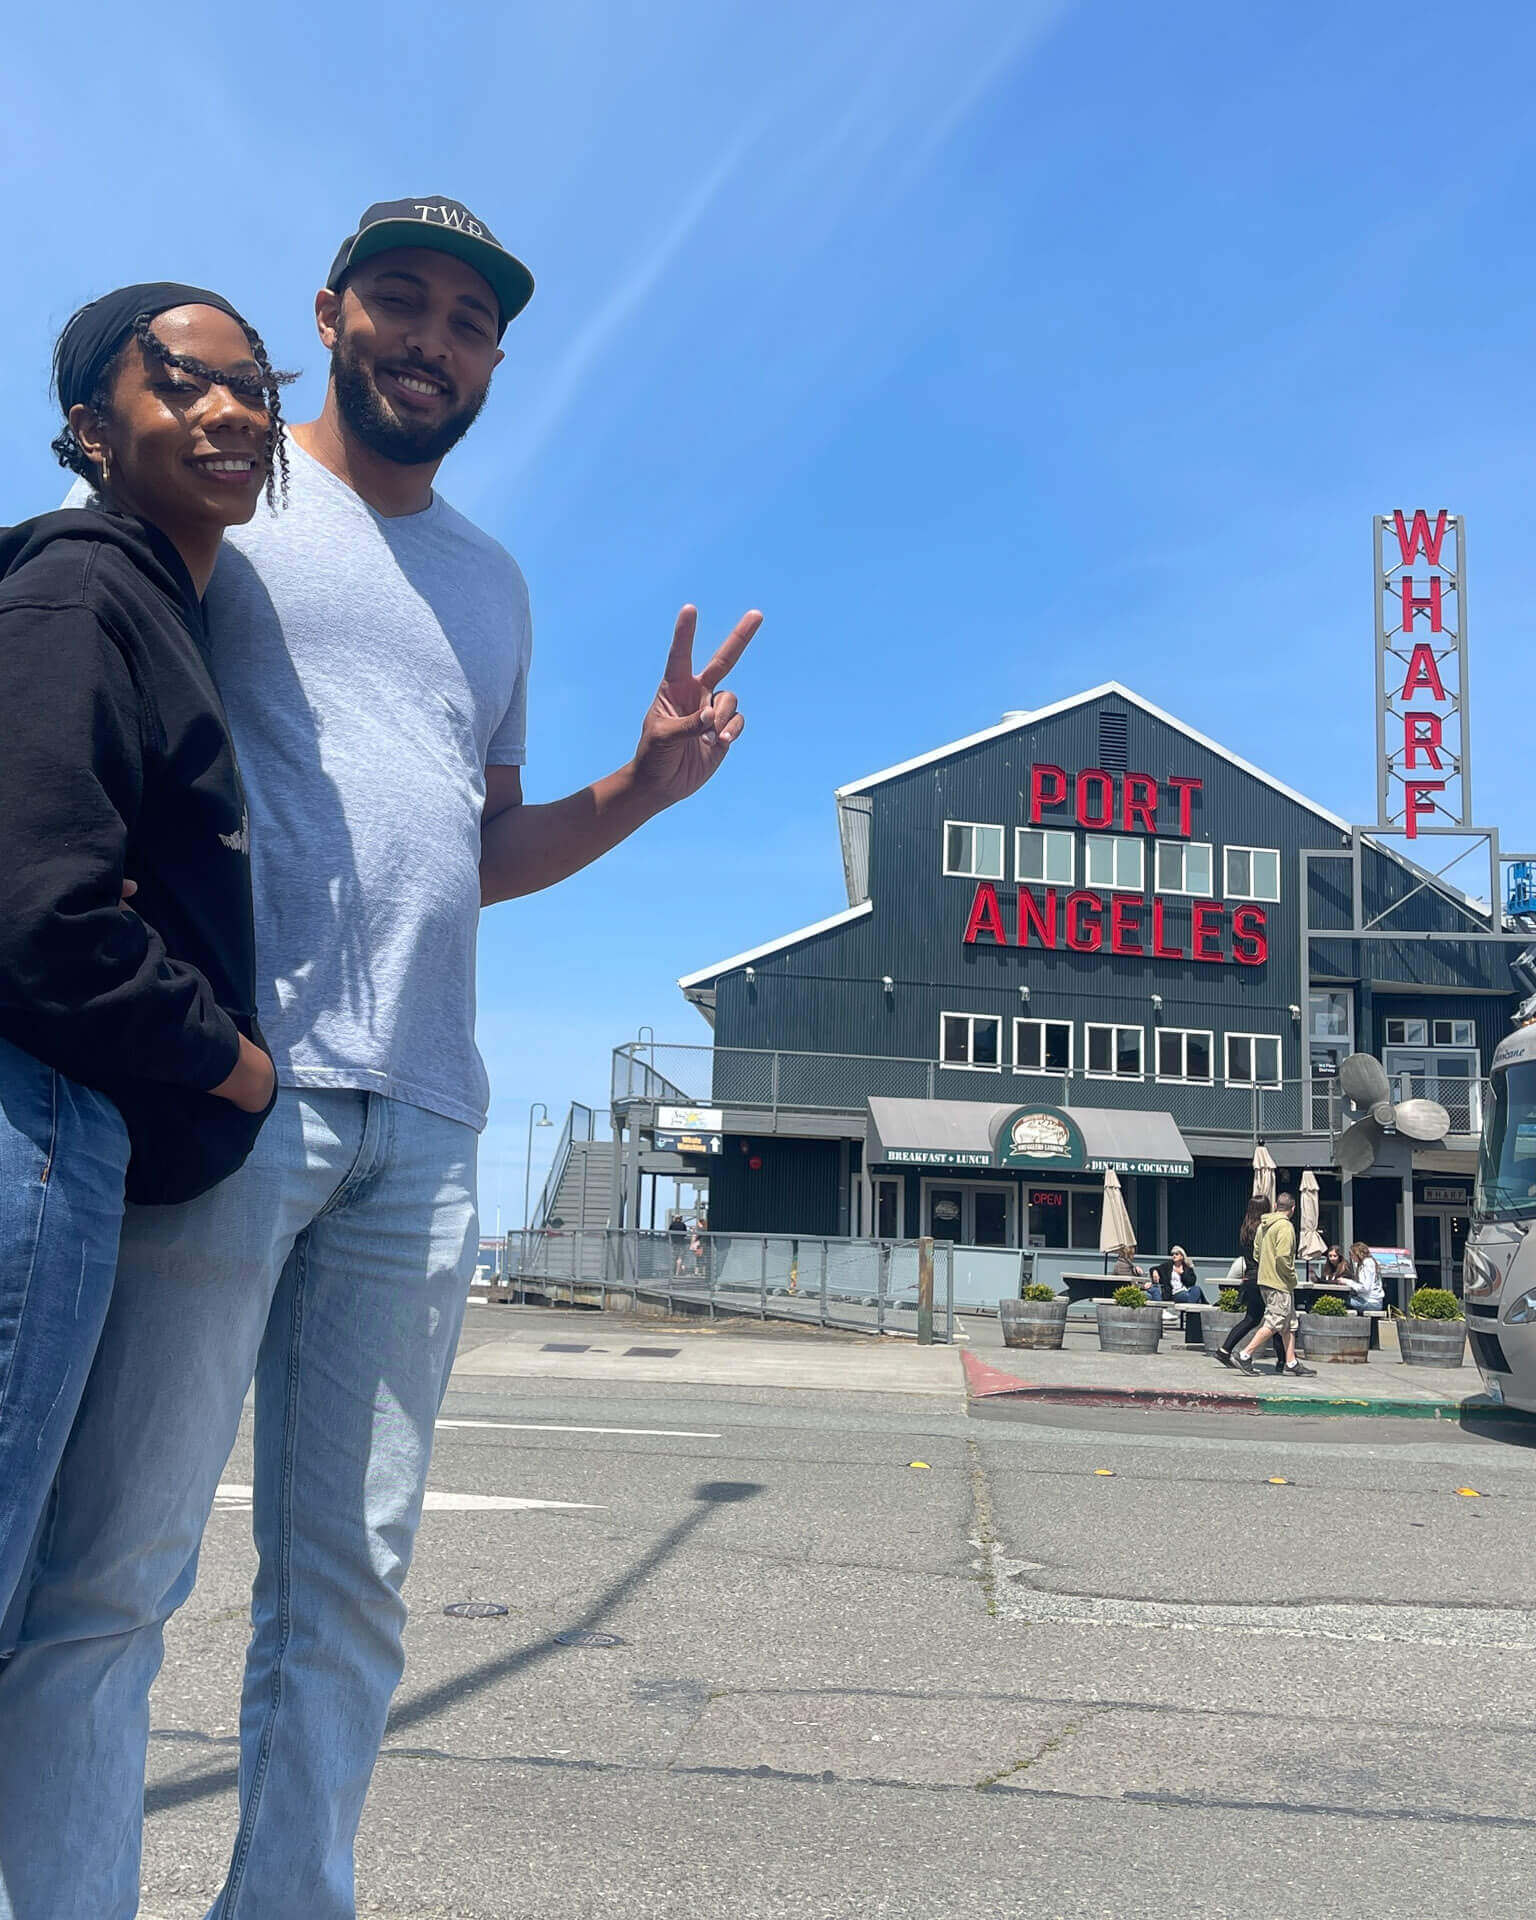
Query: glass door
[(971, 1213), (989, 1216), (888, 1209), (1427, 1237), (945, 1208)]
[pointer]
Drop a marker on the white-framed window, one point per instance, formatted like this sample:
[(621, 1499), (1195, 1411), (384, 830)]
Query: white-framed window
[(1332, 1015), (971, 1040), (1253, 1060), (1185, 866), (1114, 1053), (1042, 1046), (1407, 1033), (973, 852), (1115, 863), (1431, 1033), (1045, 855), (1184, 1053), (1252, 873)]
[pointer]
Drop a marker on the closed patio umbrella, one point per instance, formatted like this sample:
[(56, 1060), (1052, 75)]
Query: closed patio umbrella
[(1263, 1174), (1313, 1246), (1116, 1234)]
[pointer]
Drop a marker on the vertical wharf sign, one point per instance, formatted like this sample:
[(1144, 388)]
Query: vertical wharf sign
[(1423, 741)]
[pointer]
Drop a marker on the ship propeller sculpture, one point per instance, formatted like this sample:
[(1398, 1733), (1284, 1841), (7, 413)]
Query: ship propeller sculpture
[(1364, 1080)]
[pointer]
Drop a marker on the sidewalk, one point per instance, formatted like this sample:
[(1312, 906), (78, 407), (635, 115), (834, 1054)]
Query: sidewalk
[(1185, 1378)]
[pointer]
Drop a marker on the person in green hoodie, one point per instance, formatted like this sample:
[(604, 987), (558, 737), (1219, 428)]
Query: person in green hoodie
[(1275, 1245)]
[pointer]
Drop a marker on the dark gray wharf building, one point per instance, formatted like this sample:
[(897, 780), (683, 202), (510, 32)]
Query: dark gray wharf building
[(1081, 939)]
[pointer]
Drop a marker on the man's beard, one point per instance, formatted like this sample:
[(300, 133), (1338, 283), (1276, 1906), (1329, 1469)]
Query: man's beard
[(365, 412)]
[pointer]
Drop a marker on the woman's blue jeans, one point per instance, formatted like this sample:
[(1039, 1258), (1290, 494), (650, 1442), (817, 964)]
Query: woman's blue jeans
[(63, 1156)]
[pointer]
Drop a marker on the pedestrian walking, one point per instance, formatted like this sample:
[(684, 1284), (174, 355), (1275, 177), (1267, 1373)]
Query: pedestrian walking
[(677, 1241), (1275, 1245), (130, 1058), (1367, 1293), (1249, 1299), (372, 647)]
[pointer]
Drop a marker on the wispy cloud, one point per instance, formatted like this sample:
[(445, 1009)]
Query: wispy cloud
[(593, 339), (842, 137)]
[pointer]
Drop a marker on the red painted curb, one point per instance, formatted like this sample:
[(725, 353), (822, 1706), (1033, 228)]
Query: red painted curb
[(985, 1381), (982, 1378)]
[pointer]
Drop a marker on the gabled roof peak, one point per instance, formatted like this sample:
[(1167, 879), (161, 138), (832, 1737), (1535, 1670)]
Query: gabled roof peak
[(1015, 722)]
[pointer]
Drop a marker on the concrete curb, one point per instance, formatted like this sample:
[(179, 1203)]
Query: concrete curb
[(986, 1382)]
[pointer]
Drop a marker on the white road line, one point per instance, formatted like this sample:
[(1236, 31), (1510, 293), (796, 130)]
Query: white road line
[(231, 1498), (529, 1426)]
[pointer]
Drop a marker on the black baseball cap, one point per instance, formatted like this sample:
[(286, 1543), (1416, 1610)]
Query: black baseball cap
[(447, 226)]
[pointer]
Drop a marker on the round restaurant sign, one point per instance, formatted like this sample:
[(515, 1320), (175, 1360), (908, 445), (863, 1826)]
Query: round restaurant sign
[(1039, 1137)]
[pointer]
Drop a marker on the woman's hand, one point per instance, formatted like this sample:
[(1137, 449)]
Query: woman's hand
[(250, 1086)]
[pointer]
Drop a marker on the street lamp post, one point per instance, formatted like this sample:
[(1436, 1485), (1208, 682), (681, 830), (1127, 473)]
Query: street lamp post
[(540, 1108)]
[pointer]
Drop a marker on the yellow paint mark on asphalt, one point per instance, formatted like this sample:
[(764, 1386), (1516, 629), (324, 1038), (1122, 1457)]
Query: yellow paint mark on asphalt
[(920, 1463), (1469, 1493), (1276, 1481), (1106, 1473)]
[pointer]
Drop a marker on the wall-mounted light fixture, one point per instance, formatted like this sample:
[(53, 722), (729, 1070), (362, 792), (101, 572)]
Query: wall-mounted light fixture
[(1295, 1012), (1024, 995), (750, 975), (887, 984), (1157, 1003)]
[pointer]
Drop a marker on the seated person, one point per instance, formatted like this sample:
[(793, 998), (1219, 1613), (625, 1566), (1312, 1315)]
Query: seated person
[(1366, 1293), (1179, 1279), (1336, 1267)]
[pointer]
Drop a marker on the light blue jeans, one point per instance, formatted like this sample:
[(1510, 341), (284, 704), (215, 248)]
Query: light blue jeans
[(335, 1264), (63, 1155)]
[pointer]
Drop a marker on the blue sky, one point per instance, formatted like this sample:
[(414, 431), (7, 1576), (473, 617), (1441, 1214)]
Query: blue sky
[(994, 349)]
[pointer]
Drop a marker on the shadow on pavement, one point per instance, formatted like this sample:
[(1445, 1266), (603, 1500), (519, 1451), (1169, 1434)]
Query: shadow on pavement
[(707, 1495)]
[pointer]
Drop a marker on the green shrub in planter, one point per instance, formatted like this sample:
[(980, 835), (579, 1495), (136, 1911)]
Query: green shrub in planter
[(1038, 1291), (1129, 1297), (1330, 1304), (1434, 1303), (1229, 1300)]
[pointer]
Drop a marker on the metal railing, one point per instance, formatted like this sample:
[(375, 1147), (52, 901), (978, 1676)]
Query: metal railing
[(770, 1080), (580, 1124), (860, 1286)]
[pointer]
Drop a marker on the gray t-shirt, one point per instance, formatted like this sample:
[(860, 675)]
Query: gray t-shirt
[(371, 669)]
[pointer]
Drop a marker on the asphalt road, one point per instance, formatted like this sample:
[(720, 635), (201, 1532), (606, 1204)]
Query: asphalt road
[(1074, 1665)]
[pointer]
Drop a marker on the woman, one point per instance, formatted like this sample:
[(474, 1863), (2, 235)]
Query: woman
[(1249, 1298), (1336, 1268), (1180, 1283), (1366, 1293), (130, 1059)]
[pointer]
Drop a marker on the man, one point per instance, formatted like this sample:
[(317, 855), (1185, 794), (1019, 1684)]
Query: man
[(372, 648), (1276, 1245)]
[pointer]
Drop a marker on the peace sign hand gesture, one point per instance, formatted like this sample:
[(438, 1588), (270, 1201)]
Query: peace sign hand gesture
[(691, 725)]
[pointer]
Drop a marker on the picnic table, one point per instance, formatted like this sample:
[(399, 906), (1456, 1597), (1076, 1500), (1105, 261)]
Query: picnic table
[(1102, 1286)]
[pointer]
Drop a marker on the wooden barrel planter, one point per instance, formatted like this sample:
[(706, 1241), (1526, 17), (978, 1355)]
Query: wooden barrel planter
[(1340, 1339), (1216, 1325), (1432, 1343), (1128, 1329), (1032, 1323)]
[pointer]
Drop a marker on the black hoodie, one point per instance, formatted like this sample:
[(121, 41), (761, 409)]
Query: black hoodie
[(116, 762)]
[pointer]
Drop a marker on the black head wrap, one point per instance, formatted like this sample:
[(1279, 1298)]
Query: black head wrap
[(88, 343)]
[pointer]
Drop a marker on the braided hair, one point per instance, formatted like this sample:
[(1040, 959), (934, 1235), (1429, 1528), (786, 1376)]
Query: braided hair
[(263, 385)]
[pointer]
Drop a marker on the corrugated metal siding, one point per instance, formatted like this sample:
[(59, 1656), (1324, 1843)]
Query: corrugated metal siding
[(795, 1192)]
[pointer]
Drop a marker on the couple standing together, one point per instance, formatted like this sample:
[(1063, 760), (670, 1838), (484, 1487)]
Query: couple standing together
[(237, 1140)]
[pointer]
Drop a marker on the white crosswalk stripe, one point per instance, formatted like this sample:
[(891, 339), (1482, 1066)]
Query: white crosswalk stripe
[(233, 1498)]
